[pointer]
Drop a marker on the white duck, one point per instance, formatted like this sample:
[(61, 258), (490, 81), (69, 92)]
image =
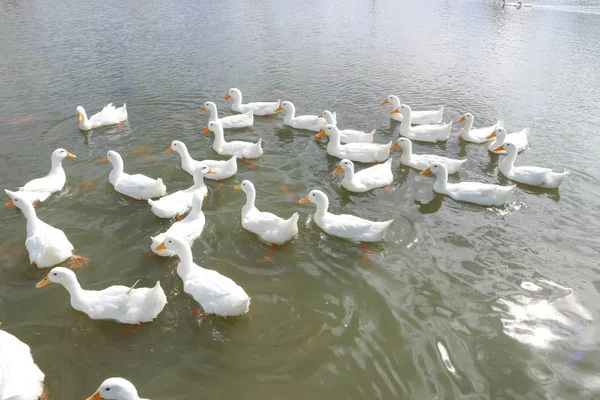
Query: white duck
[(377, 176), (422, 161), (116, 389), (479, 135), (429, 117), (535, 176), (231, 121), (269, 227), (344, 225), (223, 169), (423, 133), (257, 108), (128, 305), (348, 135), (40, 189), (473, 192), (307, 122), (46, 245), (20, 377), (361, 152), (190, 228), (518, 139), (236, 148), (108, 116), (138, 186), (217, 294), (176, 204)]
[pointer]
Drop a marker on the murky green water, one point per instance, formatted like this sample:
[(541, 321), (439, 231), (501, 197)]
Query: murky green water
[(459, 302)]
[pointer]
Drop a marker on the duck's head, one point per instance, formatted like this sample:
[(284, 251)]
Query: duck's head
[(210, 106), (466, 117), (402, 143), (203, 170), (401, 109), (285, 106), (177, 146), (175, 244), (80, 114), (246, 186), (328, 115), (436, 169), (509, 147), (57, 275), (233, 93), (345, 165), (500, 133), (61, 154), (391, 99), (315, 196), (17, 200), (329, 130), (113, 157), (213, 126), (115, 389)]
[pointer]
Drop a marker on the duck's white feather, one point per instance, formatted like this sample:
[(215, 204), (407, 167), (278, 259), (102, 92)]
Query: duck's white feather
[(20, 377)]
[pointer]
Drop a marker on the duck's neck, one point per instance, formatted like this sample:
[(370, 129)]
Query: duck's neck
[(186, 265), (466, 129), (198, 181), (219, 137), (31, 216), (77, 294), (406, 122), (348, 175), (237, 101), (186, 159), (84, 116), (406, 153), (321, 210), (117, 170), (214, 116), (196, 211), (57, 168), (498, 140), (250, 200), (291, 114), (441, 182), (508, 162), (334, 143)]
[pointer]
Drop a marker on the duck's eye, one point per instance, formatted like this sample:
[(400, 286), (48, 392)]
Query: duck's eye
[(107, 389), (313, 195), (55, 274), (169, 241), (16, 200)]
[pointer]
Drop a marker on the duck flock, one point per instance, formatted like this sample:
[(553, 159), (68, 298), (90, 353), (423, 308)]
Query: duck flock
[(20, 378)]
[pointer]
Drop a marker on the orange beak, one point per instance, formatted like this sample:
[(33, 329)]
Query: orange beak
[(383, 103), (321, 133), (338, 170), (205, 130), (211, 171), (105, 159), (491, 135), (161, 246), (499, 148), (238, 187), (278, 109), (305, 199), (227, 97), (10, 204), (170, 149), (202, 109), (394, 146), (396, 111), (425, 171), (320, 116), (95, 396), (43, 282), (461, 119), (71, 155), (79, 117)]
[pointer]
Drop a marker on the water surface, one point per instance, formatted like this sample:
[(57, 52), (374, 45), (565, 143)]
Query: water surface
[(460, 301)]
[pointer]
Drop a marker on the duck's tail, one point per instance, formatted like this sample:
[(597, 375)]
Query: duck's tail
[(155, 300)]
